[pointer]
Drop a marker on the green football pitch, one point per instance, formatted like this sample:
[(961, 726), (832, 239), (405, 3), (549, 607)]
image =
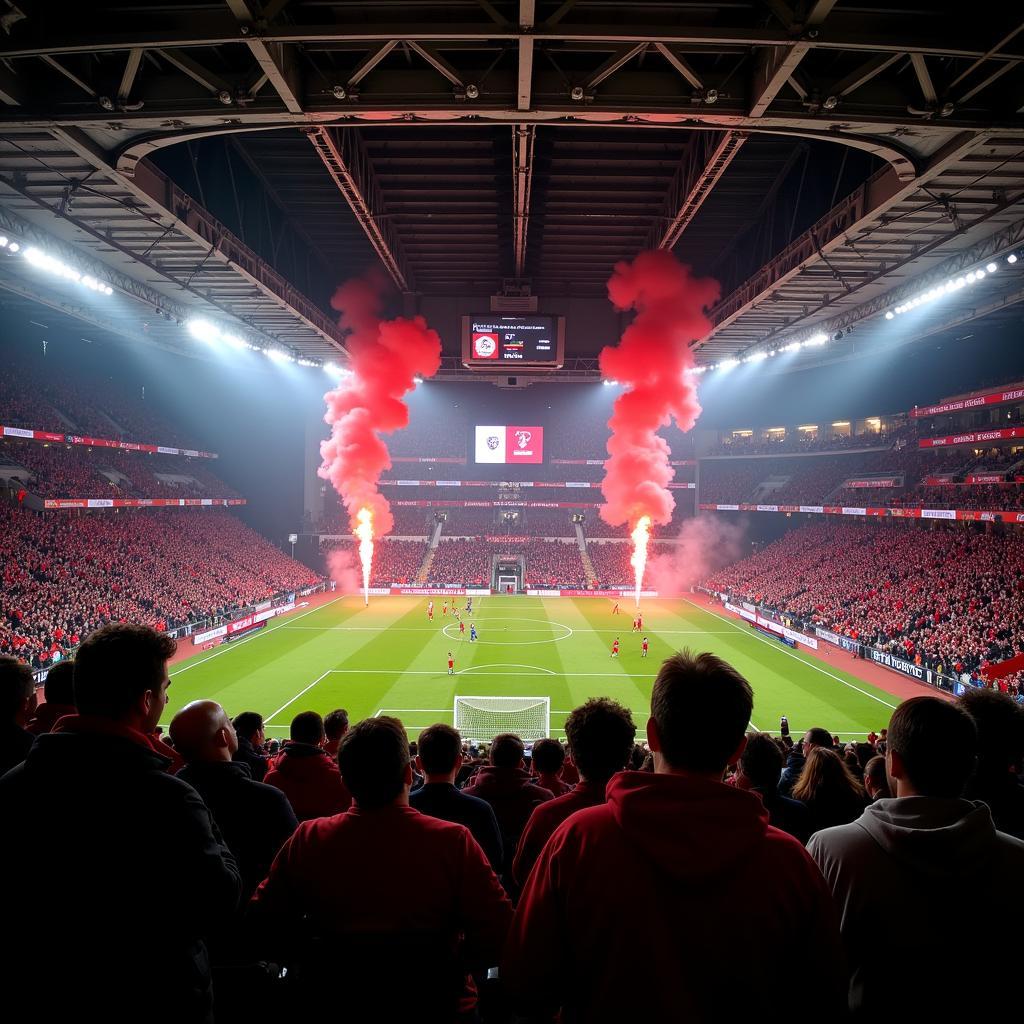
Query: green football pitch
[(389, 659)]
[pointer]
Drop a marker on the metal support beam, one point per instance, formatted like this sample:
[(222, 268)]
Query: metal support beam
[(862, 75), (366, 65), (211, 82), (924, 79), (437, 62), (524, 137), (524, 91), (348, 164), (131, 69), (703, 163), (69, 75), (680, 65), (616, 61), (277, 60), (12, 91), (774, 66)]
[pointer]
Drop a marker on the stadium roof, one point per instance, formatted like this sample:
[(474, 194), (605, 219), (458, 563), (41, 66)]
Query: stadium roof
[(237, 160)]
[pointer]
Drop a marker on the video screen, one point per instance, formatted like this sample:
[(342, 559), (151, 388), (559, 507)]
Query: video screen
[(491, 341), (505, 445)]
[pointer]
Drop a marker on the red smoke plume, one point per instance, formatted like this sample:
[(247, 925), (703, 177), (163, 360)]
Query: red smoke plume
[(651, 362), (705, 544), (384, 357)]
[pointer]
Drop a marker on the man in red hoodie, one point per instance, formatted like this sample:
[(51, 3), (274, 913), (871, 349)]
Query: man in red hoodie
[(59, 698), (505, 785), (696, 862), (402, 904), (600, 735), (305, 773)]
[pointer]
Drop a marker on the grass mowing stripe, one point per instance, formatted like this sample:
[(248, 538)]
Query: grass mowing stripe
[(795, 657)]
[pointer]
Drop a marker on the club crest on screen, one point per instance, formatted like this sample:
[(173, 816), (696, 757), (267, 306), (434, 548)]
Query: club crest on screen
[(492, 442)]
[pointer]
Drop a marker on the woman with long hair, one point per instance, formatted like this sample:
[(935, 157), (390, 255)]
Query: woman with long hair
[(828, 788)]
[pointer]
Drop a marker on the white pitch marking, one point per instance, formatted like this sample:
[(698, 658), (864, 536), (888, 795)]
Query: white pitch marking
[(262, 632), (298, 695), (790, 654)]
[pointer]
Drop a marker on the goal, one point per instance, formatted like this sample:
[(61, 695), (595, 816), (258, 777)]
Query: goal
[(483, 718)]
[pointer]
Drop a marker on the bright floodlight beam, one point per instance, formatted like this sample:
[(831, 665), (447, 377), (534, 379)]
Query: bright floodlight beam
[(638, 559), (364, 531)]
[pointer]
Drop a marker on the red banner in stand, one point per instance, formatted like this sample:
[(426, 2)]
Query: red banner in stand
[(974, 437), (889, 481), (460, 460), (991, 398), (970, 515), (49, 437), (512, 484), (426, 503), (56, 503)]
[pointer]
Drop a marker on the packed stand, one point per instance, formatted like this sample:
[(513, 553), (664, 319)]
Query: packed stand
[(611, 564), (949, 599), (394, 561), (461, 563), (65, 575), (552, 563), (796, 846)]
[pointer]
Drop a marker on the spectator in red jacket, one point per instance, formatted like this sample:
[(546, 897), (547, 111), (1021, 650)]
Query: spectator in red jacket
[(335, 727), (699, 860), (505, 785), (59, 698), (546, 761), (380, 874), (600, 735), (305, 774)]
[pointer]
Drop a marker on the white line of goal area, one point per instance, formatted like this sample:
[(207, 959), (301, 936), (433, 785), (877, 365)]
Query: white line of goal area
[(781, 650), (540, 672)]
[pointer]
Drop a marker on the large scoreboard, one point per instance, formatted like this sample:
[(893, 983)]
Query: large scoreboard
[(494, 342)]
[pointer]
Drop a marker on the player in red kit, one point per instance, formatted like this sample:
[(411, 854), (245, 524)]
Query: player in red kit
[(615, 610), (635, 626), (615, 648), (639, 623), (444, 608), (462, 626), (643, 648), (451, 664), (430, 610)]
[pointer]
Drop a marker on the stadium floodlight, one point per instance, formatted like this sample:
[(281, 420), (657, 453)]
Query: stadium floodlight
[(203, 330), (817, 339), (44, 261), (991, 268), (728, 364), (13, 246), (278, 355), (1012, 258), (889, 314)]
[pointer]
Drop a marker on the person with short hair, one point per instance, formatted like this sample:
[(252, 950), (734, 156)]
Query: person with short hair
[(876, 782), (251, 737), (997, 778), (305, 774), (600, 734), (96, 797), (58, 698), (254, 818), (758, 771), (933, 866), (439, 758), (505, 785), (348, 876), (335, 727), (17, 705), (546, 761), (699, 860)]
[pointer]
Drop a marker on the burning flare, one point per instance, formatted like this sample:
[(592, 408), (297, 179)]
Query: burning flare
[(364, 531), (641, 535)]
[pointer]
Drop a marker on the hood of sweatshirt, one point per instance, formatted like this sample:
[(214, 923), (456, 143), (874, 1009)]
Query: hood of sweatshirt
[(691, 828), (491, 781), (937, 838)]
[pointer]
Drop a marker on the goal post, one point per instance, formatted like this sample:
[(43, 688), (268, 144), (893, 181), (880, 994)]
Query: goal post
[(483, 718)]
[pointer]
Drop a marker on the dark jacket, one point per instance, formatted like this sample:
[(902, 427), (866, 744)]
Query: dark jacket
[(47, 716), (794, 766), (442, 800), (786, 814), (247, 754), (15, 744), (1004, 795), (310, 780), (513, 798), (254, 819), (93, 808)]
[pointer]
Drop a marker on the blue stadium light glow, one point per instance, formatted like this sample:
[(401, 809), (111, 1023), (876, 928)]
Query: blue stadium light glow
[(211, 334), (954, 284)]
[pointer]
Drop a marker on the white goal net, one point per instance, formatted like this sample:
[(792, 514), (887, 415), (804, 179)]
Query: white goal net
[(483, 718)]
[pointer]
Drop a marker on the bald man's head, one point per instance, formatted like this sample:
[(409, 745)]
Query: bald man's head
[(202, 731)]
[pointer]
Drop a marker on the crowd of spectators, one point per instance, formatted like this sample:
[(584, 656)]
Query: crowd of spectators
[(552, 563), (394, 561), (64, 575), (74, 471), (352, 858), (800, 441), (462, 563), (947, 598), (611, 564)]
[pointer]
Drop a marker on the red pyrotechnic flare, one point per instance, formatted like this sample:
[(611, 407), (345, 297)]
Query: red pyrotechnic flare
[(385, 357), (651, 362)]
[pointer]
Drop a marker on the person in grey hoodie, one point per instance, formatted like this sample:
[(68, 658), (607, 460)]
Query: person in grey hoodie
[(928, 870)]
